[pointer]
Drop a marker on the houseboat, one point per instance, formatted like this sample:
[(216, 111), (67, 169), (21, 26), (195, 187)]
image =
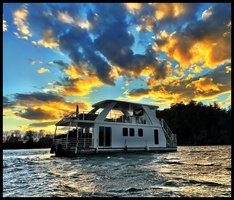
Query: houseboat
[(113, 126)]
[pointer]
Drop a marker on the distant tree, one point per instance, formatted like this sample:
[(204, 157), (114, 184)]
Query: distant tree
[(198, 124)]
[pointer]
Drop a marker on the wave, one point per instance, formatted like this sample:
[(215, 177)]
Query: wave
[(205, 183), (210, 164)]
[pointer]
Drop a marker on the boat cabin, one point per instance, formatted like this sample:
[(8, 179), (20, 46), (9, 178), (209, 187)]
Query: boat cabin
[(113, 126)]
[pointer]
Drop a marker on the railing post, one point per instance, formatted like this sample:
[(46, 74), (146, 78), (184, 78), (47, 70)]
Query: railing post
[(68, 134), (55, 133)]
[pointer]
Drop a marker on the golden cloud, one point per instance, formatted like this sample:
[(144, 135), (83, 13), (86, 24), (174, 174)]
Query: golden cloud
[(228, 69), (204, 85), (76, 72), (133, 7), (175, 89), (81, 86), (42, 70), (188, 51), (169, 10), (20, 20), (48, 40), (4, 26), (37, 109)]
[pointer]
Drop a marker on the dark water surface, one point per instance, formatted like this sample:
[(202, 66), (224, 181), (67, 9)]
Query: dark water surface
[(198, 171)]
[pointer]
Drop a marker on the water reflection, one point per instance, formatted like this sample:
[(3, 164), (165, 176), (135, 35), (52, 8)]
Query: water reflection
[(190, 172)]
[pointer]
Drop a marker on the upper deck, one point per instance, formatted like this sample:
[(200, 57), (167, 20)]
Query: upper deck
[(113, 111)]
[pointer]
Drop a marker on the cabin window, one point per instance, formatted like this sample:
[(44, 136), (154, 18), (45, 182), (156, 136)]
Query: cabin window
[(140, 132), (125, 131), (155, 136), (132, 133)]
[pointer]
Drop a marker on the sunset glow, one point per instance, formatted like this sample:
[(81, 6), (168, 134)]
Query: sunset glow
[(58, 55)]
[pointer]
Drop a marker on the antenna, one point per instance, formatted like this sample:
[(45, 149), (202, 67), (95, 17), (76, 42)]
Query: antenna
[(77, 111)]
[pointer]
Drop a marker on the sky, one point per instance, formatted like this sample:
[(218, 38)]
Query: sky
[(57, 55)]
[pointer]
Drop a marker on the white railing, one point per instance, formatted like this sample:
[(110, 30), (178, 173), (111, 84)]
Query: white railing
[(73, 143), (127, 119), (85, 115), (170, 136)]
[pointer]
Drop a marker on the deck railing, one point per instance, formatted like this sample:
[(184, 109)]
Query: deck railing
[(85, 115), (73, 143), (170, 136)]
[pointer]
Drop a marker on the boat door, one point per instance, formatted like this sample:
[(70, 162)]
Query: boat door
[(104, 136)]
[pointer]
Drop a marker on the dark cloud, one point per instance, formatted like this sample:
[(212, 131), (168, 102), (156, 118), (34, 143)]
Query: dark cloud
[(139, 92), (147, 16), (7, 103), (38, 96), (42, 124), (36, 114), (61, 64), (213, 26), (78, 44), (106, 15)]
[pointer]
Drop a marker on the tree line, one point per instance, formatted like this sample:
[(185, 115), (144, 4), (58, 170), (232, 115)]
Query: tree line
[(30, 139), (194, 124), (199, 124)]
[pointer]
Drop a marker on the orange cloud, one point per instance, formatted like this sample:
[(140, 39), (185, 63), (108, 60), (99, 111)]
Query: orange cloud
[(204, 85), (133, 7), (42, 70), (169, 10), (81, 87), (42, 107), (76, 72), (175, 89)]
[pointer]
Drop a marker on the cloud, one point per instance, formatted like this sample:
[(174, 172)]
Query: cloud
[(80, 48), (7, 103), (36, 114), (174, 90), (199, 41), (43, 124), (81, 86), (225, 103), (207, 13), (75, 72), (204, 85), (32, 61), (48, 40), (42, 70), (4, 25), (61, 63), (65, 17), (159, 16), (42, 106), (133, 7), (20, 20)]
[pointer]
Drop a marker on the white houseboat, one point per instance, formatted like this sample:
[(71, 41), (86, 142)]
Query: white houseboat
[(113, 126)]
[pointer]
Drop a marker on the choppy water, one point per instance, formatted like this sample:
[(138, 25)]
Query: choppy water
[(199, 171)]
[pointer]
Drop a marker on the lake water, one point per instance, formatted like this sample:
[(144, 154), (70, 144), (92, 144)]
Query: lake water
[(197, 171)]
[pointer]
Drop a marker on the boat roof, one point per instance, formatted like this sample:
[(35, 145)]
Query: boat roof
[(122, 104)]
